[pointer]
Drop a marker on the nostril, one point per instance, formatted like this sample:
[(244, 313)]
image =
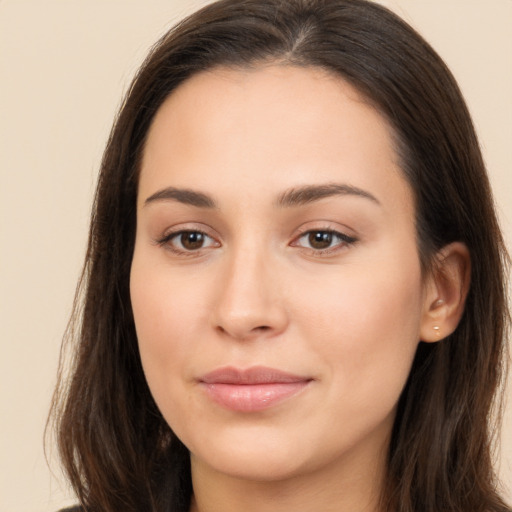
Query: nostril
[(243, 333)]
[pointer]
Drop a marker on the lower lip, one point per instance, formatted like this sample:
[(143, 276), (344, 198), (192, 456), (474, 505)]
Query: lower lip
[(252, 397)]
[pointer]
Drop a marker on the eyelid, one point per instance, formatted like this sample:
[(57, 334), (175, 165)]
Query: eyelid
[(325, 225), (176, 231), (337, 231), (344, 240)]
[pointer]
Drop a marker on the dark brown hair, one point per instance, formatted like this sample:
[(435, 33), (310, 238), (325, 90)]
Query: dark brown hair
[(118, 451)]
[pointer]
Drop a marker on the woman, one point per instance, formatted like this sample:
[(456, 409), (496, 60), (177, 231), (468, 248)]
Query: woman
[(294, 290)]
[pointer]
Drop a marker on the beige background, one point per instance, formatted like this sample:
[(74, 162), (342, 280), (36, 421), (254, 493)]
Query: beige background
[(63, 67)]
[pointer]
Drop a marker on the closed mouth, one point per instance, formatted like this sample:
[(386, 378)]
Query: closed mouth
[(252, 389)]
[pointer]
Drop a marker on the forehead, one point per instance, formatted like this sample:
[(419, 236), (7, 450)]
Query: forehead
[(274, 125)]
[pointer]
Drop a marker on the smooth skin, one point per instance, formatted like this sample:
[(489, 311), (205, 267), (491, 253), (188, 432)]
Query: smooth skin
[(275, 228)]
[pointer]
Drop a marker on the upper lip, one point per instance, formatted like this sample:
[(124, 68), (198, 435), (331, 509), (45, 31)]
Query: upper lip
[(253, 375)]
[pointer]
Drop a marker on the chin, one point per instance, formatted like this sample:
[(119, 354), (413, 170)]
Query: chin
[(256, 457), (276, 454), (261, 467)]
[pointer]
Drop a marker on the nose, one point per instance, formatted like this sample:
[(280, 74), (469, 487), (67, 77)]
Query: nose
[(250, 302)]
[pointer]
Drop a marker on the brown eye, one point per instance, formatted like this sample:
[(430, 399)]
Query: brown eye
[(324, 241), (192, 240), (320, 239), (188, 241)]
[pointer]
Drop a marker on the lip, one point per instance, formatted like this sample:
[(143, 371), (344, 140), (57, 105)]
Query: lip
[(252, 389)]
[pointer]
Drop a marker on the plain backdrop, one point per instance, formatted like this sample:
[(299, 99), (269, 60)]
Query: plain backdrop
[(63, 68)]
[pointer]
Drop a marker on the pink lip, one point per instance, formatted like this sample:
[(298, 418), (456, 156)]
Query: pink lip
[(253, 389)]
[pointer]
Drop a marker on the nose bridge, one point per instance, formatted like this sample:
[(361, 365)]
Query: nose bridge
[(249, 302)]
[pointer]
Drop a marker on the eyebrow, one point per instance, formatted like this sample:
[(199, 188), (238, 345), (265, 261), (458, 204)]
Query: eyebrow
[(182, 195), (293, 197), (310, 193)]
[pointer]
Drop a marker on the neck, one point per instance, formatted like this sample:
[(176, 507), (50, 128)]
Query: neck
[(351, 485)]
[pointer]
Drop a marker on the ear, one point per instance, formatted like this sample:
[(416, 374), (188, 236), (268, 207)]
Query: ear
[(445, 292)]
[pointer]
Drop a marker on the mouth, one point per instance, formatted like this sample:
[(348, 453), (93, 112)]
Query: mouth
[(252, 389)]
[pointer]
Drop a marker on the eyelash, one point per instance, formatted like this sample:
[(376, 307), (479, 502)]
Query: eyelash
[(343, 241), (166, 242)]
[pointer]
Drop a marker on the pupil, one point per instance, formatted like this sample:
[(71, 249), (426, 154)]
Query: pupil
[(320, 239), (192, 240)]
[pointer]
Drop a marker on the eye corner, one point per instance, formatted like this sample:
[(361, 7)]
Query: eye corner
[(176, 242), (323, 241)]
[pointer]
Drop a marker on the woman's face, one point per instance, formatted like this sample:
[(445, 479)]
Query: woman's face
[(275, 283)]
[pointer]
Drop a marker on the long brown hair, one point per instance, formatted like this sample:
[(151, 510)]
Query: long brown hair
[(118, 451)]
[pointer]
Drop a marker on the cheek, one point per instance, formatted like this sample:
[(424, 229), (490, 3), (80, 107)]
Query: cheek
[(366, 327), (166, 319)]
